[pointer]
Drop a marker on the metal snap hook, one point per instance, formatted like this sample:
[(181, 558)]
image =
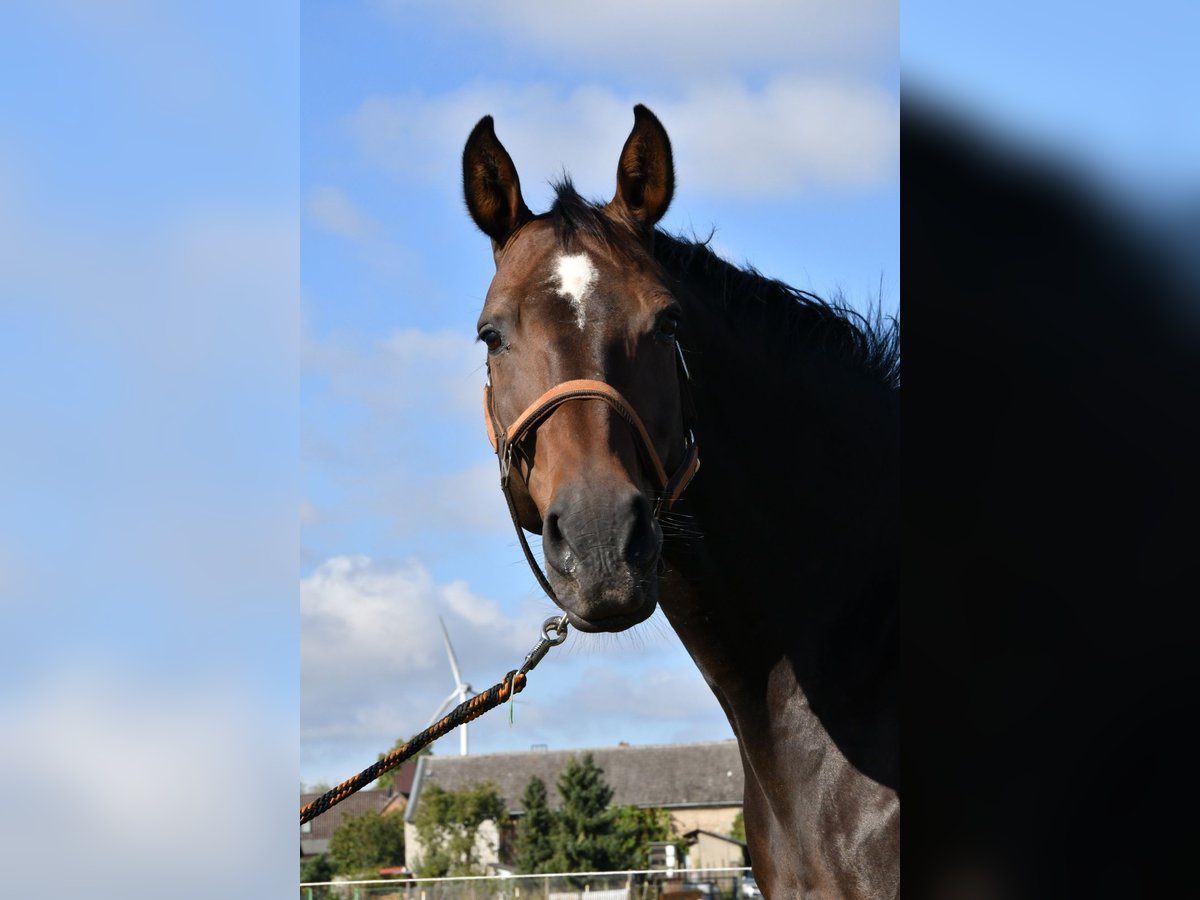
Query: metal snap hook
[(554, 632)]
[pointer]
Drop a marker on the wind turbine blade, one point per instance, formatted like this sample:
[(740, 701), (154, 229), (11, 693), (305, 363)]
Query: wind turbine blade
[(450, 652), (445, 706)]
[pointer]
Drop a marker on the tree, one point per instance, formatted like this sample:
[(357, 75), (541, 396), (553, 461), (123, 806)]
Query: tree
[(316, 868), (448, 823), (534, 842), (585, 838), (633, 831), (738, 830), (367, 841)]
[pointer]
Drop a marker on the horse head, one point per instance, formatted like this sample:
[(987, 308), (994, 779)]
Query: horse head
[(585, 402)]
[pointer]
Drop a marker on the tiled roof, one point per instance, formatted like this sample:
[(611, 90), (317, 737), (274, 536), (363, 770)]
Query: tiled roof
[(324, 824), (656, 775), (356, 804), (404, 776)]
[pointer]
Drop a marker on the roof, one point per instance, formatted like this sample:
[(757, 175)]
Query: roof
[(317, 839), (404, 776), (729, 839), (324, 824), (654, 775)]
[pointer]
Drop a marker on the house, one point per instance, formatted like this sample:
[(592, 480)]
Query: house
[(699, 784), (710, 850), (315, 834)]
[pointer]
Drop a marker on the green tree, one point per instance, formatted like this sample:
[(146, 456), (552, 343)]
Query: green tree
[(738, 830), (360, 844), (316, 868), (534, 841), (585, 839), (633, 831), (448, 823)]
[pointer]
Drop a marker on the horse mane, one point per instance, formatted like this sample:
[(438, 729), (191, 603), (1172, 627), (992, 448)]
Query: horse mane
[(788, 316)]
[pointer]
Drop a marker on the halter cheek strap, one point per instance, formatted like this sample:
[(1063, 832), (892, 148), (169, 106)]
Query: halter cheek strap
[(504, 442)]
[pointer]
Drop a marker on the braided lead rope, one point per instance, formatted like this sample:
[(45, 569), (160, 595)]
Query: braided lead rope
[(554, 632)]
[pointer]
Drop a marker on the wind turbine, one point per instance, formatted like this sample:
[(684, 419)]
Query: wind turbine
[(461, 691)]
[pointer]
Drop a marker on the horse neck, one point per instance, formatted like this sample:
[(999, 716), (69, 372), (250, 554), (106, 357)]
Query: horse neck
[(798, 442), (797, 502)]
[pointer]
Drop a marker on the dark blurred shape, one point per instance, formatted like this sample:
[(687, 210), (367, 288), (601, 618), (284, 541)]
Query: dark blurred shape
[(1051, 451)]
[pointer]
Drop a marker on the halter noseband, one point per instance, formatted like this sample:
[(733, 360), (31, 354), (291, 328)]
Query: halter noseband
[(505, 441)]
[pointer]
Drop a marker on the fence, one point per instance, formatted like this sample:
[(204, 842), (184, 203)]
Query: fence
[(640, 884)]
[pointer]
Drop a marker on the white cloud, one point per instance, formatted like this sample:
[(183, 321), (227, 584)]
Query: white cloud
[(729, 139), (134, 778), (680, 39), (373, 664), (792, 134), (373, 669), (332, 211)]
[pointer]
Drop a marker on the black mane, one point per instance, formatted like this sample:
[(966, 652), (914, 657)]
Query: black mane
[(790, 317)]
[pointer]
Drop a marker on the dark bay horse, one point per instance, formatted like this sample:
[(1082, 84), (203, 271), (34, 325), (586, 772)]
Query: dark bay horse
[(617, 354)]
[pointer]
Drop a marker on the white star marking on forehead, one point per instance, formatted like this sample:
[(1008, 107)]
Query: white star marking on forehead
[(575, 276)]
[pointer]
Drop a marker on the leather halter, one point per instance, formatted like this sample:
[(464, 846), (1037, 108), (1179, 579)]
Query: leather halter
[(505, 441)]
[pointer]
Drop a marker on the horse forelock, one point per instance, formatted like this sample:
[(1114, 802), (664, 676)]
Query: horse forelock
[(574, 218)]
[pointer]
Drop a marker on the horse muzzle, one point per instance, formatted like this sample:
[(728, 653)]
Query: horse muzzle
[(602, 550), (602, 545)]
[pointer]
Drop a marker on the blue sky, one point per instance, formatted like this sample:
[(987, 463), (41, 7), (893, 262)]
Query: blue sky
[(1110, 90), (785, 130), (149, 274)]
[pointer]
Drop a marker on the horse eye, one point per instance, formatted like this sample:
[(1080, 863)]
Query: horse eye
[(668, 325), (491, 337)]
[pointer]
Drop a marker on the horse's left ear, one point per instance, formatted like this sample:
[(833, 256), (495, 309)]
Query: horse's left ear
[(645, 173)]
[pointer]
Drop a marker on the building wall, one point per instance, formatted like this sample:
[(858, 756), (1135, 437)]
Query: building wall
[(487, 843), (717, 819), (713, 853)]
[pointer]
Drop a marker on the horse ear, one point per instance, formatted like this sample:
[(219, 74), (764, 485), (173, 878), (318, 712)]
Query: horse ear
[(645, 172), (491, 186)]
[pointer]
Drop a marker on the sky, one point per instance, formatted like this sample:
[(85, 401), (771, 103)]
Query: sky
[(784, 121), (1111, 91), (149, 361)]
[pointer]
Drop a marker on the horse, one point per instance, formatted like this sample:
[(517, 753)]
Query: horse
[(689, 434)]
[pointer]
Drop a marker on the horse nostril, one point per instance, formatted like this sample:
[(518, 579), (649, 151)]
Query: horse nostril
[(550, 529), (556, 547), (641, 544)]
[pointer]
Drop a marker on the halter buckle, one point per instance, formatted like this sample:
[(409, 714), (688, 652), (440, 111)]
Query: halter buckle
[(506, 464)]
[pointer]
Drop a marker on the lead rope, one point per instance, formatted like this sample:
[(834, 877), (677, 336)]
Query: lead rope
[(554, 632)]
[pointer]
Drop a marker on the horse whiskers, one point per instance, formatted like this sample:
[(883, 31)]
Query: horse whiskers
[(672, 534), (673, 537), (676, 517)]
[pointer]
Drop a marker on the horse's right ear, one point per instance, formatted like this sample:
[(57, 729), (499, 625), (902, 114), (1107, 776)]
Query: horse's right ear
[(491, 186)]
